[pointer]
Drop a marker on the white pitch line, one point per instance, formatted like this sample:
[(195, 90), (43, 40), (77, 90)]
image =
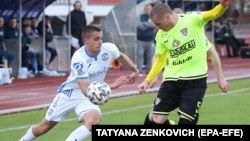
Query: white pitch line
[(127, 109)]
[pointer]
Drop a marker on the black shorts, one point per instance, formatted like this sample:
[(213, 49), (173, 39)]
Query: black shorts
[(185, 94)]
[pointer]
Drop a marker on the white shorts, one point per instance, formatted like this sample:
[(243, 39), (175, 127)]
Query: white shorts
[(62, 106)]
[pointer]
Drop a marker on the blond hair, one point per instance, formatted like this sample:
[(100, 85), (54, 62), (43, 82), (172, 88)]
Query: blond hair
[(160, 9)]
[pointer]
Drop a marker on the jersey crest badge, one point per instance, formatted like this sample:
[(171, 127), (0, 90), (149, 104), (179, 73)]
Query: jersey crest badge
[(105, 56), (184, 31)]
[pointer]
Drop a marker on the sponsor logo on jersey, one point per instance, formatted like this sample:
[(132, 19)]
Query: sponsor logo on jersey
[(98, 73), (182, 49)]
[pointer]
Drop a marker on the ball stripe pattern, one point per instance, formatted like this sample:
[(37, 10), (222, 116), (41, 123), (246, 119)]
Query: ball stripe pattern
[(98, 92)]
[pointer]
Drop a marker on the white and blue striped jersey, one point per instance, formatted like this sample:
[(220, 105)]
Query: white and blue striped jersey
[(85, 66)]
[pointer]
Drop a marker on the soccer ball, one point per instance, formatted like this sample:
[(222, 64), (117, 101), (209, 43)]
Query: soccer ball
[(98, 92)]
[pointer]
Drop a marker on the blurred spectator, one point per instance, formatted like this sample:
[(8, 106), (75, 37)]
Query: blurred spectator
[(29, 54), (11, 30), (145, 40), (235, 15), (221, 39), (240, 42), (26, 21), (51, 53), (178, 10), (34, 32), (76, 21), (4, 54), (224, 34), (202, 7)]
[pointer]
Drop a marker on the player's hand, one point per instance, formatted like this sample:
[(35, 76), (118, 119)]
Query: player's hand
[(143, 86), (226, 3), (119, 81), (223, 85), (132, 77)]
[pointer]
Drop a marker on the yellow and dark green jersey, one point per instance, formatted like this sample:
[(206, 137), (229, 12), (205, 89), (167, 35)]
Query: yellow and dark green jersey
[(186, 45)]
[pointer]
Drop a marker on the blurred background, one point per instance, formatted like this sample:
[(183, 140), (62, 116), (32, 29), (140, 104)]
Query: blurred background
[(117, 18)]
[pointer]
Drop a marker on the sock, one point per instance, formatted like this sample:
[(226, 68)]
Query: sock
[(79, 134), (29, 136)]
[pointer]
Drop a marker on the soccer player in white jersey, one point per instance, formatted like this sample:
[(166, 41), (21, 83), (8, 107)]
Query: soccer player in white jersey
[(89, 63)]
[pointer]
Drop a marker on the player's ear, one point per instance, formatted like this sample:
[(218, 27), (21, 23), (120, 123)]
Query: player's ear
[(84, 40), (167, 16)]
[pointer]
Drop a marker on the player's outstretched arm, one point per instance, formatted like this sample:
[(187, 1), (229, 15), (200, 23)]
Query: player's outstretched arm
[(125, 60), (160, 61), (217, 11), (118, 82), (223, 84)]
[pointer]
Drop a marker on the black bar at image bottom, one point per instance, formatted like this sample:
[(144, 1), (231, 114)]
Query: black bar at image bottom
[(191, 132)]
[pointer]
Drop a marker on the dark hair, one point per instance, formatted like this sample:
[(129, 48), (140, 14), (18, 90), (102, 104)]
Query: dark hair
[(25, 25), (13, 17), (24, 18), (88, 30), (76, 2)]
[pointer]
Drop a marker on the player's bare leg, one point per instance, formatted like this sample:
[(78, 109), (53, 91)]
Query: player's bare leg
[(37, 130)]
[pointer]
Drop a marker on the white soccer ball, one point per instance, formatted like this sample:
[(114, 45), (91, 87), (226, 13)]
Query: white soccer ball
[(98, 92)]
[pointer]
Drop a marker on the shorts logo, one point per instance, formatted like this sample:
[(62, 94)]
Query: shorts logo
[(157, 101), (50, 112)]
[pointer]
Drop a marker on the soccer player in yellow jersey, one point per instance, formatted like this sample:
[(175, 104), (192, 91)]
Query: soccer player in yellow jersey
[(181, 49)]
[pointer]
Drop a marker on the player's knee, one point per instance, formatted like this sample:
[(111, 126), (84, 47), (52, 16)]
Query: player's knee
[(90, 123), (155, 120), (149, 121), (95, 121)]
